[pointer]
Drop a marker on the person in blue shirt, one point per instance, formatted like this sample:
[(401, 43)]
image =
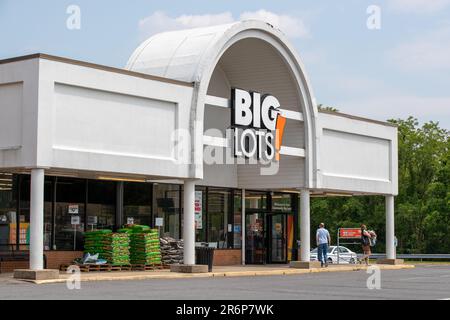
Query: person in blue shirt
[(323, 241)]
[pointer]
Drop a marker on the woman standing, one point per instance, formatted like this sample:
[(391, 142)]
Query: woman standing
[(365, 243)]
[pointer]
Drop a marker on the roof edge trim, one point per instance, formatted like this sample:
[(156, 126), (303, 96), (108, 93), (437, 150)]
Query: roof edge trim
[(96, 66)]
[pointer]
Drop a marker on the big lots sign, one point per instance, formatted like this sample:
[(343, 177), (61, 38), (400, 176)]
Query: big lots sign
[(257, 124)]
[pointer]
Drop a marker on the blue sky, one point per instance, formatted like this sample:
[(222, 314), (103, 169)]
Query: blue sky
[(399, 70)]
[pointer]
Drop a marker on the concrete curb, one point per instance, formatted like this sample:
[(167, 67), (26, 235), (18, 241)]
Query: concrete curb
[(251, 273)]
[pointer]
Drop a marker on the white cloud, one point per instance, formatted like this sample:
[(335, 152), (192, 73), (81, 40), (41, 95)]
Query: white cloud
[(159, 21), (418, 6), (429, 52), (291, 26)]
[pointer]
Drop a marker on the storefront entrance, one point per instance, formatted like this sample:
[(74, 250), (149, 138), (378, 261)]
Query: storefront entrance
[(268, 238), (270, 222)]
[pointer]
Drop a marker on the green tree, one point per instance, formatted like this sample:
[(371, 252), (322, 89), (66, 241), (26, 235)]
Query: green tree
[(322, 107)]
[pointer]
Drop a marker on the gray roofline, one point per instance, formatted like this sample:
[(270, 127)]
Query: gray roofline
[(95, 66), (349, 116)]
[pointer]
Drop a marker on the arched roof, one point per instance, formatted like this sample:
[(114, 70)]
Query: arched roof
[(177, 54), (192, 55)]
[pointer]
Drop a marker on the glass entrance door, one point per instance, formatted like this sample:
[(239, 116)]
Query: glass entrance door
[(255, 249), (277, 238)]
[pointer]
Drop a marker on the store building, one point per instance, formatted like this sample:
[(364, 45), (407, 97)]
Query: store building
[(87, 146)]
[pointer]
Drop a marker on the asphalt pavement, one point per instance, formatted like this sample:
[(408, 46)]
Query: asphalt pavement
[(430, 282)]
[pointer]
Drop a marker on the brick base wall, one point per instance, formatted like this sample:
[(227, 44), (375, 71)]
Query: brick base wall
[(229, 257), (10, 266), (57, 258), (54, 260)]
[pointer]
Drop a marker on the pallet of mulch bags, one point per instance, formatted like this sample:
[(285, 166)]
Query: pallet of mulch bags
[(147, 256), (145, 247), (112, 247)]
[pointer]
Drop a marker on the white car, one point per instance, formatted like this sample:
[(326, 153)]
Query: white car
[(346, 256)]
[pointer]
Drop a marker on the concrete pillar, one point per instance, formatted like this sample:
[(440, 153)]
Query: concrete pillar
[(305, 226), (390, 229), (37, 219), (243, 228), (189, 222)]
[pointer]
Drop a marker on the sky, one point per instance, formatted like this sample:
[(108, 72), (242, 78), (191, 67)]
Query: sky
[(384, 62)]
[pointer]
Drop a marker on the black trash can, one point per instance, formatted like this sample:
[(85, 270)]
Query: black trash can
[(205, 256)]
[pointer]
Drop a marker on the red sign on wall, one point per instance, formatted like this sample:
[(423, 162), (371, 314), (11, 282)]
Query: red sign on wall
[(350, 233)]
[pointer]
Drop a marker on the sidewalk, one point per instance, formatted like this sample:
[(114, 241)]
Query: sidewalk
[(232, 271)]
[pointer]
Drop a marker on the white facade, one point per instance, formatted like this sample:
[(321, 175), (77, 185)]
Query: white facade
[(83, 120)]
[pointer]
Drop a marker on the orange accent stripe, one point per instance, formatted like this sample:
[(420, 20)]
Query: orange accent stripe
[(281, 125)]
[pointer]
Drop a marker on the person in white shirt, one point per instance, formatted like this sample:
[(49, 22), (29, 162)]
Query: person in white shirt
[(323, 240)]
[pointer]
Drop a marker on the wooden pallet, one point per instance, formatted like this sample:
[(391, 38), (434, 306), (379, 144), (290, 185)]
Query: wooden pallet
[(87, 268), (125, 267), (146, 267), (159, 267), (98, 268)]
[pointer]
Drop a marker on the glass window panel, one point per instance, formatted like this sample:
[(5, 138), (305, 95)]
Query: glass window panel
[(256, 200), (48, 219), (101, 208), (168, 208), (137, 203), (218, 208), (24, 212), (282, 202), (70, 202), (8, 210)]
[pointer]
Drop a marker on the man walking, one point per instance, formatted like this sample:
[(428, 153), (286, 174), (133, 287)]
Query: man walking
[(323, 240)]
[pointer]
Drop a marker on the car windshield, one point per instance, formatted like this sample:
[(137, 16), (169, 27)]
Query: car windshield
[(314, 251)]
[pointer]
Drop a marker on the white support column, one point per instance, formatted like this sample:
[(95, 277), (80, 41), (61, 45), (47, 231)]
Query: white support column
[(305, 226), (243, 228), (189, 222), (37, 220), (390, 228)]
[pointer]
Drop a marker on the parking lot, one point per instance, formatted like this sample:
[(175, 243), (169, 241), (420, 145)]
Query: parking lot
[(424, 282)]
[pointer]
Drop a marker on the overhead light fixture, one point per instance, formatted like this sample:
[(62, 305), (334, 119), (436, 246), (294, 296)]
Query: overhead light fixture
[(331, 194), (121, 179), (291, 191), (63, 175), (338, 194)]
